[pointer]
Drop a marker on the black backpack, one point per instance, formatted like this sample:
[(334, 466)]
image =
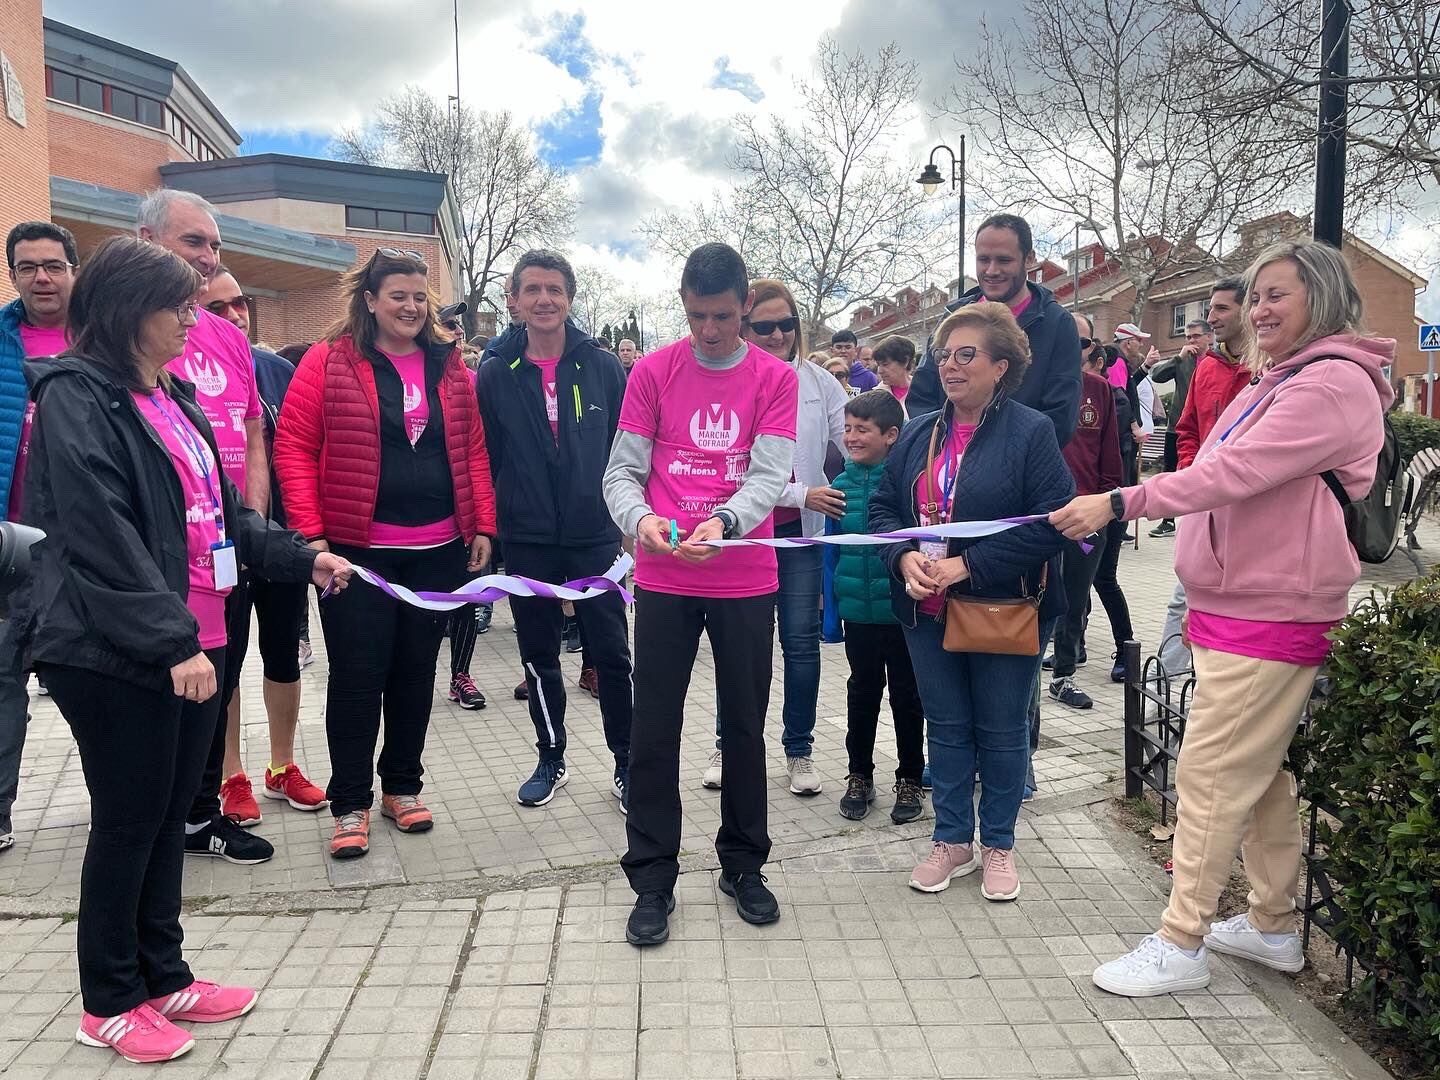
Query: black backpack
[(1373, 522)]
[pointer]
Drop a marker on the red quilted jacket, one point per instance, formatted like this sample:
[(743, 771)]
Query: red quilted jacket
[(327, 447)]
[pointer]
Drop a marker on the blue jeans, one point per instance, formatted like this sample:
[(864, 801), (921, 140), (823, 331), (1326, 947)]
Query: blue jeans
[(797, 607), (977, 712)]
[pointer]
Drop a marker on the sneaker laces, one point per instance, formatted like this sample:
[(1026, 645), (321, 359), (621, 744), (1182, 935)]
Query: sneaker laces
[(551, 770), (715, 759), (1153, 950), (802, 766), (939, 853), (908, 791), (353, 820), (856, 787), (1236, 924), (1061, 687), (463, 683), (1002, 859), (404, 802)]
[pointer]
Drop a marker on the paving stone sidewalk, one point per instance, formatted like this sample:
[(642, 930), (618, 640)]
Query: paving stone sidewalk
[(494, 946)]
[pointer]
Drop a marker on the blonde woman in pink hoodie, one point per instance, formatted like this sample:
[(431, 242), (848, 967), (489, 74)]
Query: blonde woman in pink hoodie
[(1267, 567)]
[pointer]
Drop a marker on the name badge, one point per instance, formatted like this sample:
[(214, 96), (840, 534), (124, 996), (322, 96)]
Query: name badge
[(934, 549), (227, 570)]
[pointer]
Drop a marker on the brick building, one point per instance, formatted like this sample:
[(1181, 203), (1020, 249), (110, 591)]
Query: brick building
[(107, 122), (909, 313), (24, 128)]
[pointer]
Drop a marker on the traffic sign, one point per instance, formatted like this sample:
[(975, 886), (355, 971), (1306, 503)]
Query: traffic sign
[(1430, 337)]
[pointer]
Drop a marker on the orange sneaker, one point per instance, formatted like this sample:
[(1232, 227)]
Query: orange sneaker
[(290, 785), (237, 800), (407, 811), (352, 835)]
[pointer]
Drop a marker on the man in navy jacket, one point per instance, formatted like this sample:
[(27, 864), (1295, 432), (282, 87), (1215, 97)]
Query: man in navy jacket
[(1004, 249)]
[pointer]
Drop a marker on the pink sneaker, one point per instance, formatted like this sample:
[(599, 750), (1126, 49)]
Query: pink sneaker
[(140, 1035), (206, 1003), (946, 861), (1000, 879)]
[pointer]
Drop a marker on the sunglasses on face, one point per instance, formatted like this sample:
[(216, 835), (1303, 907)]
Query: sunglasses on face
[(219, 307), (1085, 343), (401, 253), (766, 327)]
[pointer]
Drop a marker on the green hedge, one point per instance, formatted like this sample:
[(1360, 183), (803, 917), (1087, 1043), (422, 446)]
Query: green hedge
[(1369, 759), (1415, 432)]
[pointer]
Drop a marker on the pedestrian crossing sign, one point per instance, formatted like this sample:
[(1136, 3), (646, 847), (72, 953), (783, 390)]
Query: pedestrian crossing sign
[(1430, 337)]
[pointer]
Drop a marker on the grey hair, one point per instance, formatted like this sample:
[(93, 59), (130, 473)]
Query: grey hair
[(1201, 323), (1331, 295), (155, 207)]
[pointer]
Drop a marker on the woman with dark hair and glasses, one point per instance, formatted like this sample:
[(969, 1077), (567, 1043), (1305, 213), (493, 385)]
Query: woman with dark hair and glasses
[(381, 458), (773, 324), (144, 537)]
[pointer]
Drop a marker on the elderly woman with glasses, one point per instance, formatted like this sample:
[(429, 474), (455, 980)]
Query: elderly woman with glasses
[(982, 457), (381, 458)]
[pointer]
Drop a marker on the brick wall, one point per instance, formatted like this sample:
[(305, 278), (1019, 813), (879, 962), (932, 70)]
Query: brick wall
[(25, 174), (1389, 311), (109, 152)]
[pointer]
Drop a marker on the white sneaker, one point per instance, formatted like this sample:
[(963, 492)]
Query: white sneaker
[(7, 840), (713, 772), (1155, 967), (804, 780), (1237, 937)]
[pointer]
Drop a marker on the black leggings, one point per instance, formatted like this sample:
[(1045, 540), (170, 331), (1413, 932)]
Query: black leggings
[(463, 630), (1107, 584), (280, 611), (142, 751), (382, 658)]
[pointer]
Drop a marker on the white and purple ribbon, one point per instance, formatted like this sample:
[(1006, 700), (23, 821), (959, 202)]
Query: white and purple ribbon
[(951, 530)]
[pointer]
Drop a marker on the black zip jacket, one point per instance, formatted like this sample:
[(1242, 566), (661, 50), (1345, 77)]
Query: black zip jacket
[(110, 580), (1011, 468), (549, 493), (1052, 383)]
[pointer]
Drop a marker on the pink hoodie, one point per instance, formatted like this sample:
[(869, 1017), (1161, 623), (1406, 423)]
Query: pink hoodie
[(1265, 538)]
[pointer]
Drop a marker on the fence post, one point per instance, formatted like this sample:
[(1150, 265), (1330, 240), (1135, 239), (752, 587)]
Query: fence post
[(1134, 719)]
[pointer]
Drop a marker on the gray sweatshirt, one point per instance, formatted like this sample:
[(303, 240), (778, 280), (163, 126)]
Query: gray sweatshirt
[(771, 461)]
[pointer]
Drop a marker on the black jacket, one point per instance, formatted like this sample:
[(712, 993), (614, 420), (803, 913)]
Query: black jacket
[(547, 493), (110, 580), (272, 378), (1011, 468), (1051, 386)]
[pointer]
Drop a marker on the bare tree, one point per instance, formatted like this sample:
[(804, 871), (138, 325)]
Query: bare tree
[(508, 198), (818, 202), (601, 299), (1075, 106), (1393, 127)]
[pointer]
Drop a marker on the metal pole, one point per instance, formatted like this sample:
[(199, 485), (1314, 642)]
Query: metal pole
[(1330, 148), (962, 216), (1430, 384), (1075, 274), (455, 11)]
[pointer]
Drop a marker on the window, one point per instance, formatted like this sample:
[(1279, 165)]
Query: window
[(1205, 309), (357, 217), (362, 217), (390, 220), (420, 223), (108, 99), (1084, 260), (1178, 319)]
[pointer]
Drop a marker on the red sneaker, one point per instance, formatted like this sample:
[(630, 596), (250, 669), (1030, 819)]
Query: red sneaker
[(205, 1003), (590, 682), (237, 801), (290, 785), (140, 1035), (408, 813), (352, 835)]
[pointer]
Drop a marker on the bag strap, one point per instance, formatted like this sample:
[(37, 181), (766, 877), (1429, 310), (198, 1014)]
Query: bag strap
[(1336, 488), (932, 506)]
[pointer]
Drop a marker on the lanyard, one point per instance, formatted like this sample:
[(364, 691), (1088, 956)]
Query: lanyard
[(198, 456), (952, 458), (1252, 407)]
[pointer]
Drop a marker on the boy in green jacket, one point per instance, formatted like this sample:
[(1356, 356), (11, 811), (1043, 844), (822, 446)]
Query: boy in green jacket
[(874, 642)]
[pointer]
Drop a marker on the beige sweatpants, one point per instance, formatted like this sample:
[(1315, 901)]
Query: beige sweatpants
[(1234, 795)]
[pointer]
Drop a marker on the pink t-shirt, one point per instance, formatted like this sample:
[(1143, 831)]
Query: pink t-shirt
[(1302, 644), (1016, 309), (411, 369), (900, 392), (36, 341), (217, 360), (547, 383), (200, 488), (1119, 373), (702, 424), (938, 489)]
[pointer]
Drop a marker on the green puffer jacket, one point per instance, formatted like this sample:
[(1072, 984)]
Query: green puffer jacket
[(862, 582)]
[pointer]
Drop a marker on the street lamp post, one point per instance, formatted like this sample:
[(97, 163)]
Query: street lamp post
[(930, 179)]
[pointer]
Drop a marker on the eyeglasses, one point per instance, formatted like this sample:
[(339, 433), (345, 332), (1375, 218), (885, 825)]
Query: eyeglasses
[(766, 327), (239, 303), (53, 268), (963, 355), (1085, 343), (186, 311), (401, 253)]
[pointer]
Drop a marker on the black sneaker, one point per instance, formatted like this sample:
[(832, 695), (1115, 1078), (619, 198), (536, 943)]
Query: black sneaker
[(1165, 528), (909, 802), (1082, 657), (649, 922), (572, 635), (223, 838), (1117, 670), (483, 618), (859, 794), (620, 787), (1048, 663), (1067, 693), (755, 903)]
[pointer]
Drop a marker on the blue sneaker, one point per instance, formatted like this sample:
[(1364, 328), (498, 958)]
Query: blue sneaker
[(620, 787), (925, 778), (540, 788)]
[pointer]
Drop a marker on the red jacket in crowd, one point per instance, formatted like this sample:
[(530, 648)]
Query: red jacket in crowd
[(327, 447), (1093, 452), (1218, 379)]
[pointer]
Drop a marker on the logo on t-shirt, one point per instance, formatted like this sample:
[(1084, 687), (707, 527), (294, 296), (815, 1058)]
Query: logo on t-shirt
[(552, 405), (714, 427), (412, 397), (1088, 416), (207, 375), (237, 416)]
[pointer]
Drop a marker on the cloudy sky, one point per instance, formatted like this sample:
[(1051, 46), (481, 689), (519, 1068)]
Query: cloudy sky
[(634, 97)]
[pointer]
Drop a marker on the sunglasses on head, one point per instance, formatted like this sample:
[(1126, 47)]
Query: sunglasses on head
[(766, 327), (219, 307), (401, 253)]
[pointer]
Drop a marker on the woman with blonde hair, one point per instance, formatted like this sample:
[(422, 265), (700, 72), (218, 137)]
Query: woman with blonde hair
[(381, 458), (1267, 569)]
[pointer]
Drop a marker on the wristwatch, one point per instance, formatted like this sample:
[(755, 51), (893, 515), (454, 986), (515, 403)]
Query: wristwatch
[(727, 519), (1117, 504)]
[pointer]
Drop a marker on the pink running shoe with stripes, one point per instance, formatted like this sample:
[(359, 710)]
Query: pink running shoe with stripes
[(206, 1003), (141, 1035)]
